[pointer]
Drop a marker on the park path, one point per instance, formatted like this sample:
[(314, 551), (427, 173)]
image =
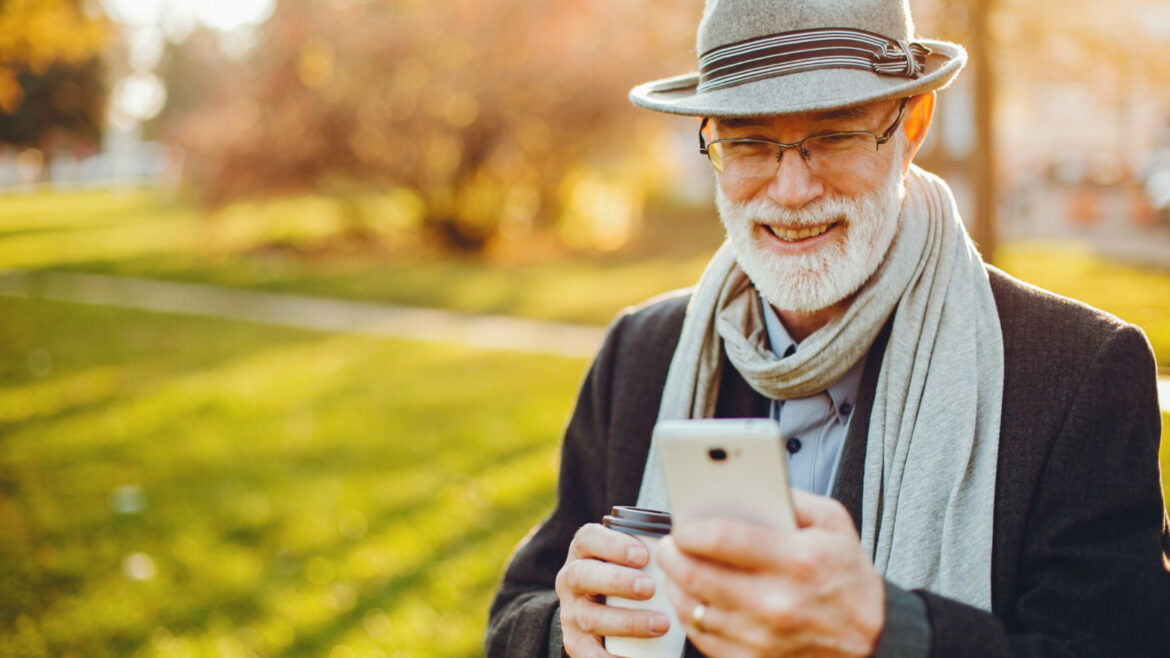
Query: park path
[(323, 313), (306, 312)]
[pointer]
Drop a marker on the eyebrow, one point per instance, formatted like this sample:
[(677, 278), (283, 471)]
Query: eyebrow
[(845, 113)]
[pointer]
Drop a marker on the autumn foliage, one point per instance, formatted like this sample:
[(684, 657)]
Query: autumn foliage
[(51, 74), (479, 109)]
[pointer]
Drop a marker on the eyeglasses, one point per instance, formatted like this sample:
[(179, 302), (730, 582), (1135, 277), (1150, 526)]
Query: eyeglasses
[(826, 153)]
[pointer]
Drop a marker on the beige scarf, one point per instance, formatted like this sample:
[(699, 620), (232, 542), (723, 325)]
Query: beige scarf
[(929, 481)]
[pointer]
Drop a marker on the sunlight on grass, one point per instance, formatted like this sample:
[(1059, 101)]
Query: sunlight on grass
[(1133, 294), (45, 398), (81, 209), (50, 231), (174, 486), (265, 491), (1166, 457), (141, 235)]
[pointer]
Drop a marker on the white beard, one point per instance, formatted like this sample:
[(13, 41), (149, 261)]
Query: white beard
[(834, 270)]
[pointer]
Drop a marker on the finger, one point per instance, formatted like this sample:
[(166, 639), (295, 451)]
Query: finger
[(593, 577), (712, 618), (707, 581), (599, 619), (594, 540), (733, 542), (717, 645), (820, 512), (582, 645), (720, 633)]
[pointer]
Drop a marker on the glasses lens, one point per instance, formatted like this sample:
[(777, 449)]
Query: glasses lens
[(839, 152), (715, 155), (744, 159)]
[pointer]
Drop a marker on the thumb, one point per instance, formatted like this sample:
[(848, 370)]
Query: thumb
[(813, 511)]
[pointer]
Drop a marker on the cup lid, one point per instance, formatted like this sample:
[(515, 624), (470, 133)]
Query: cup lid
[(638, 521)]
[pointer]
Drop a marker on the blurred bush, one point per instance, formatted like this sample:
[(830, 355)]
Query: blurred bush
[(479, 110)]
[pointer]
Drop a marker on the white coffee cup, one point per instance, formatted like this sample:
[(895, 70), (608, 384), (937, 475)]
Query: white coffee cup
[(648, 527)]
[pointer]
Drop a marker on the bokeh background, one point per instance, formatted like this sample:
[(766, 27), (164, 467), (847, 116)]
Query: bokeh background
[(295, 295)]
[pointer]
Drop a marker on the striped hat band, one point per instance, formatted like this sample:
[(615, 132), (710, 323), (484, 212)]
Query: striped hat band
[(809, 50)]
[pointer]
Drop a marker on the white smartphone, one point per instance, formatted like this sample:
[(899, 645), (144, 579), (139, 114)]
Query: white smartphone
[(726, 467)]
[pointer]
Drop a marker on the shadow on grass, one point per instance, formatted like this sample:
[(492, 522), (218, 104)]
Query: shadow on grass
[(401, 428), (511, 520)]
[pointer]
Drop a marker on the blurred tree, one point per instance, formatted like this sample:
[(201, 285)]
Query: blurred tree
[(51, 76), (1017, 44), (65, 101), (479, 108)]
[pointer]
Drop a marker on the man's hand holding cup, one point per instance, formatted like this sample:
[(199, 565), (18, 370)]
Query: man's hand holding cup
[(604, 563)]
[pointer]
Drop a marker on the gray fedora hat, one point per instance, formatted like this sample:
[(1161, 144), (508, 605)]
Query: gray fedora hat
[(767, 57)]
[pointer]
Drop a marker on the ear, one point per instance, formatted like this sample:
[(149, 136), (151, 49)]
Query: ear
[(919, 112)]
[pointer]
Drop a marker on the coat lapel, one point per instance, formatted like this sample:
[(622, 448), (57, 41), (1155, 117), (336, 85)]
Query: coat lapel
[(851, 468)]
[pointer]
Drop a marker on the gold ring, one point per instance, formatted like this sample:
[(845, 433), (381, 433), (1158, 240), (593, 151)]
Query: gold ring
[(697, 615)]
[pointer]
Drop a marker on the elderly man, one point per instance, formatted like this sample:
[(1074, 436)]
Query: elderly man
[(975, 458)]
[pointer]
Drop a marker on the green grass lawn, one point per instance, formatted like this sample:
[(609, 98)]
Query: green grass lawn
[(140, 234), (190, 487), (174, 486), (1166, 458)]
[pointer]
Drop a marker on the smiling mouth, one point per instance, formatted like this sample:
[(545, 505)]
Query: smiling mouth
[(796, 235)]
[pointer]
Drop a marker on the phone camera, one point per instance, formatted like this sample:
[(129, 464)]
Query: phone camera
[(717, 454)]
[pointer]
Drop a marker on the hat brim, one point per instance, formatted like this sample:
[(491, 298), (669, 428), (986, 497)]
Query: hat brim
[(810, 91)]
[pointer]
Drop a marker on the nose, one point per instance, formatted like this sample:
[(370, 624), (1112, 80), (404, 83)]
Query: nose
[(794, 183)]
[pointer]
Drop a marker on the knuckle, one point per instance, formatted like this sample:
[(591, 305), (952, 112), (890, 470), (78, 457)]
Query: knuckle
[(570, 577), (561, 583), (579, 545), (574, 645), (722, 536), (616, 582), (573, 576), (687, 576), (759, 638), (800, 560), (629, 624), (837, 508), (777, 609), (585, 619)]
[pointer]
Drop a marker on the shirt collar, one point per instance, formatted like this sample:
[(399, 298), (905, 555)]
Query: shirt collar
[(842, 392)]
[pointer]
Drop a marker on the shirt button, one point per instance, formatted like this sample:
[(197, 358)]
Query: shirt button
[(793, 445), (845, 408)]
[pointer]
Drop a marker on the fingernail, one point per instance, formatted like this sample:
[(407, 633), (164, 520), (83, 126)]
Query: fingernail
[(644, 587), (636, 555), (659, 624)]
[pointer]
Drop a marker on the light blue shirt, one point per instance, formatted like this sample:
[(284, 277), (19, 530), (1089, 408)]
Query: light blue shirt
[(813, 427)]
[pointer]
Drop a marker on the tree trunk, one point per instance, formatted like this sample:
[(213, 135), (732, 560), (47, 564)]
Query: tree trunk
[(983, 170)]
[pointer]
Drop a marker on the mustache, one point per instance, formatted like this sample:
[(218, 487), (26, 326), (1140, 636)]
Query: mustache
[(824, 211)]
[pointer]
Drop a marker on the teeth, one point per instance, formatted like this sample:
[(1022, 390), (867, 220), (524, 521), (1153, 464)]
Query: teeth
[(791, 235)]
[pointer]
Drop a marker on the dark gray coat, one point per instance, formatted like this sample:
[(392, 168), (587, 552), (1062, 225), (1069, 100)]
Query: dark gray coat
[(1079, 557)]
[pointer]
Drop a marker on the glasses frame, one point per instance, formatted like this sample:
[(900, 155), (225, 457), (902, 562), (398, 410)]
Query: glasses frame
[(704, 146)]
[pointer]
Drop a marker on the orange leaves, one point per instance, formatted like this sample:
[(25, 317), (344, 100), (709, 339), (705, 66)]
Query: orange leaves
[(315, 63), (34, 34), (11, 93)]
